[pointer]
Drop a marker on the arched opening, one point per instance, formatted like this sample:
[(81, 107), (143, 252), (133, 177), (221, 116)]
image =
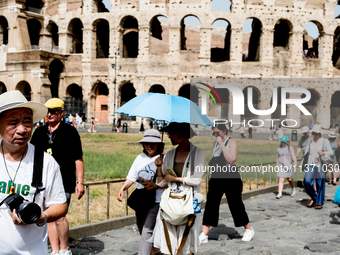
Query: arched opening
[(336, 48), (101, 108), (34, 27), (25, 88), (75, 36), (337, 10), (34, 6), (130, 37), (104, 6), (3, 88), (74, 100), (220, 41), (312, 107), (221, 6), (127, 92), (251, 42), (159, 39), (56, 67), (335, 109), (190, 33), (103, 38), (282, 32), (53, 31), (311, 35), (157, 88), (189, 92), (3, 31), (215, 108), (248, 115)]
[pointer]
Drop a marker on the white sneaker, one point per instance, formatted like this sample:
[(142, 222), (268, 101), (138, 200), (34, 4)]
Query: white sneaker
[(54, 253), (89, 130), (248, 235), (279, 195), (292, 194), (203, 238), (94, 131), (65, 252)]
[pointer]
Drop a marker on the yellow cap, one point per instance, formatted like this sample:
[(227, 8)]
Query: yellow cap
[(54, 103)]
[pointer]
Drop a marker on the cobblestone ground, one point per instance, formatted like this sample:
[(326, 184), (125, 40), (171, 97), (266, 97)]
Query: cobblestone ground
[(284, 226)]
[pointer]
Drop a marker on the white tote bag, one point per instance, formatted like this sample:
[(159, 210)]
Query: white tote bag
[(176, 207)]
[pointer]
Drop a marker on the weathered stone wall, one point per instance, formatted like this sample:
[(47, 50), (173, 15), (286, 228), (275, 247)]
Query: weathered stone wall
[(164, 61)]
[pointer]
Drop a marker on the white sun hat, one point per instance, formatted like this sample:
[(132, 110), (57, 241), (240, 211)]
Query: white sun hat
[(14, 99), (151, 136)]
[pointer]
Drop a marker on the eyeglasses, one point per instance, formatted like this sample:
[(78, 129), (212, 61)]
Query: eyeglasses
[(53, 111), (313, 133), (215, 133)]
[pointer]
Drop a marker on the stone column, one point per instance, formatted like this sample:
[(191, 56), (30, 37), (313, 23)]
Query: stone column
[(266, 51), (296, 62), (88, 43), (143, 47), (236, 51), (204, 57), (325, 54), (174, 48)]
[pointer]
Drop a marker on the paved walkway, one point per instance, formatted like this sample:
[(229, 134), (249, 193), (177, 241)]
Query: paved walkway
[(284, 226)]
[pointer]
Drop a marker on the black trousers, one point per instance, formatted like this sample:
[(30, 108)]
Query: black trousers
[(232, 188)]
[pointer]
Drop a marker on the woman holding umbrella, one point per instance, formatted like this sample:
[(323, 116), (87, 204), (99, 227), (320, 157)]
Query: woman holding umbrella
[(181, 160)]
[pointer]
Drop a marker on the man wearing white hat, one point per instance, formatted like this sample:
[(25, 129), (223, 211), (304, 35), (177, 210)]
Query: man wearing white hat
[(17, 116), (303, 144), (63, 142)]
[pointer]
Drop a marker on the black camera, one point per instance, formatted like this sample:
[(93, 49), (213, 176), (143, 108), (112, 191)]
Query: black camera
[(28, 212)]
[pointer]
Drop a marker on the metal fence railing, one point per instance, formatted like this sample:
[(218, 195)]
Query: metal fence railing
[(265, 177)]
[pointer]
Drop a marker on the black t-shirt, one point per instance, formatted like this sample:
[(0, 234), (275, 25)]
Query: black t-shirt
[(66, 149)]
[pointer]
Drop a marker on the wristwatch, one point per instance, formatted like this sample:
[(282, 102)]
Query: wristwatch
[(43, 222), (83, 183)]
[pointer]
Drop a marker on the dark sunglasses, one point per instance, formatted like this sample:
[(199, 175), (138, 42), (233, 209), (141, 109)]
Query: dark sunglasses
[(215, 133), (53, 111), (313, 133)]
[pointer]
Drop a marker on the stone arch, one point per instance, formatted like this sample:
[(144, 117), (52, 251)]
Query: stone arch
[(129, 37), (312, 106), (74, 91), (221, 5), (25, 88), (3, 88), (159, 35), (251, 43), (75, 36), (56, 67), (53, 32), (157, 88), (34, 6), (336, 48), (282, 33), (127, 92), (220, 40), (34, 28), (189, 92), (335, 109), (310, 44), (101, 108), (190, 34), (248, 115), (102, 28), (3, 31)]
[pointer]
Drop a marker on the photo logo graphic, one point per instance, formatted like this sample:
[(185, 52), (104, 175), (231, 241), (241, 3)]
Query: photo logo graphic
[(238, 99), (208, 92)]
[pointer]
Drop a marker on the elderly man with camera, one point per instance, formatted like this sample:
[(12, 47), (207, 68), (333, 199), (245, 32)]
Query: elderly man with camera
[(31, 187)]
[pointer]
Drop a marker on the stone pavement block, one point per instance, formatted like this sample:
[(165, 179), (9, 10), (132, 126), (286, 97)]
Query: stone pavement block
[(322, 248), (251, 252), (271, 213), (285, 251), (130, 247), (210, 246)]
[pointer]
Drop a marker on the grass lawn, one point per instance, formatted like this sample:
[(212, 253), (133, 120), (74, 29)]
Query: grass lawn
[(109, 156)]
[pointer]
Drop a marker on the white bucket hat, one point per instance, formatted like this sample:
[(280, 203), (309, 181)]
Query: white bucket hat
[(316, 128), (151, 136), (332, 135), (14, 99), (305, 129)]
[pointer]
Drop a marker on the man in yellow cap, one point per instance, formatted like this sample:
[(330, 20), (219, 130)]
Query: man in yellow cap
[(63, 142)]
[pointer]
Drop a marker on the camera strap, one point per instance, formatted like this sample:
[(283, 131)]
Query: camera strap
[(37, 171)]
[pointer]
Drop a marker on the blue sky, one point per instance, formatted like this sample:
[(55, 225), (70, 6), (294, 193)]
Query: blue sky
[(224, 6)]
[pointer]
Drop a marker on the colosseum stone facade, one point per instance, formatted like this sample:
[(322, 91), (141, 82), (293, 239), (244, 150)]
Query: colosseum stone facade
[(97, 59)]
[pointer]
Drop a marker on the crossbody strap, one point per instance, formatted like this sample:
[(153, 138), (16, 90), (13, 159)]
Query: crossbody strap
[(37, 171)]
